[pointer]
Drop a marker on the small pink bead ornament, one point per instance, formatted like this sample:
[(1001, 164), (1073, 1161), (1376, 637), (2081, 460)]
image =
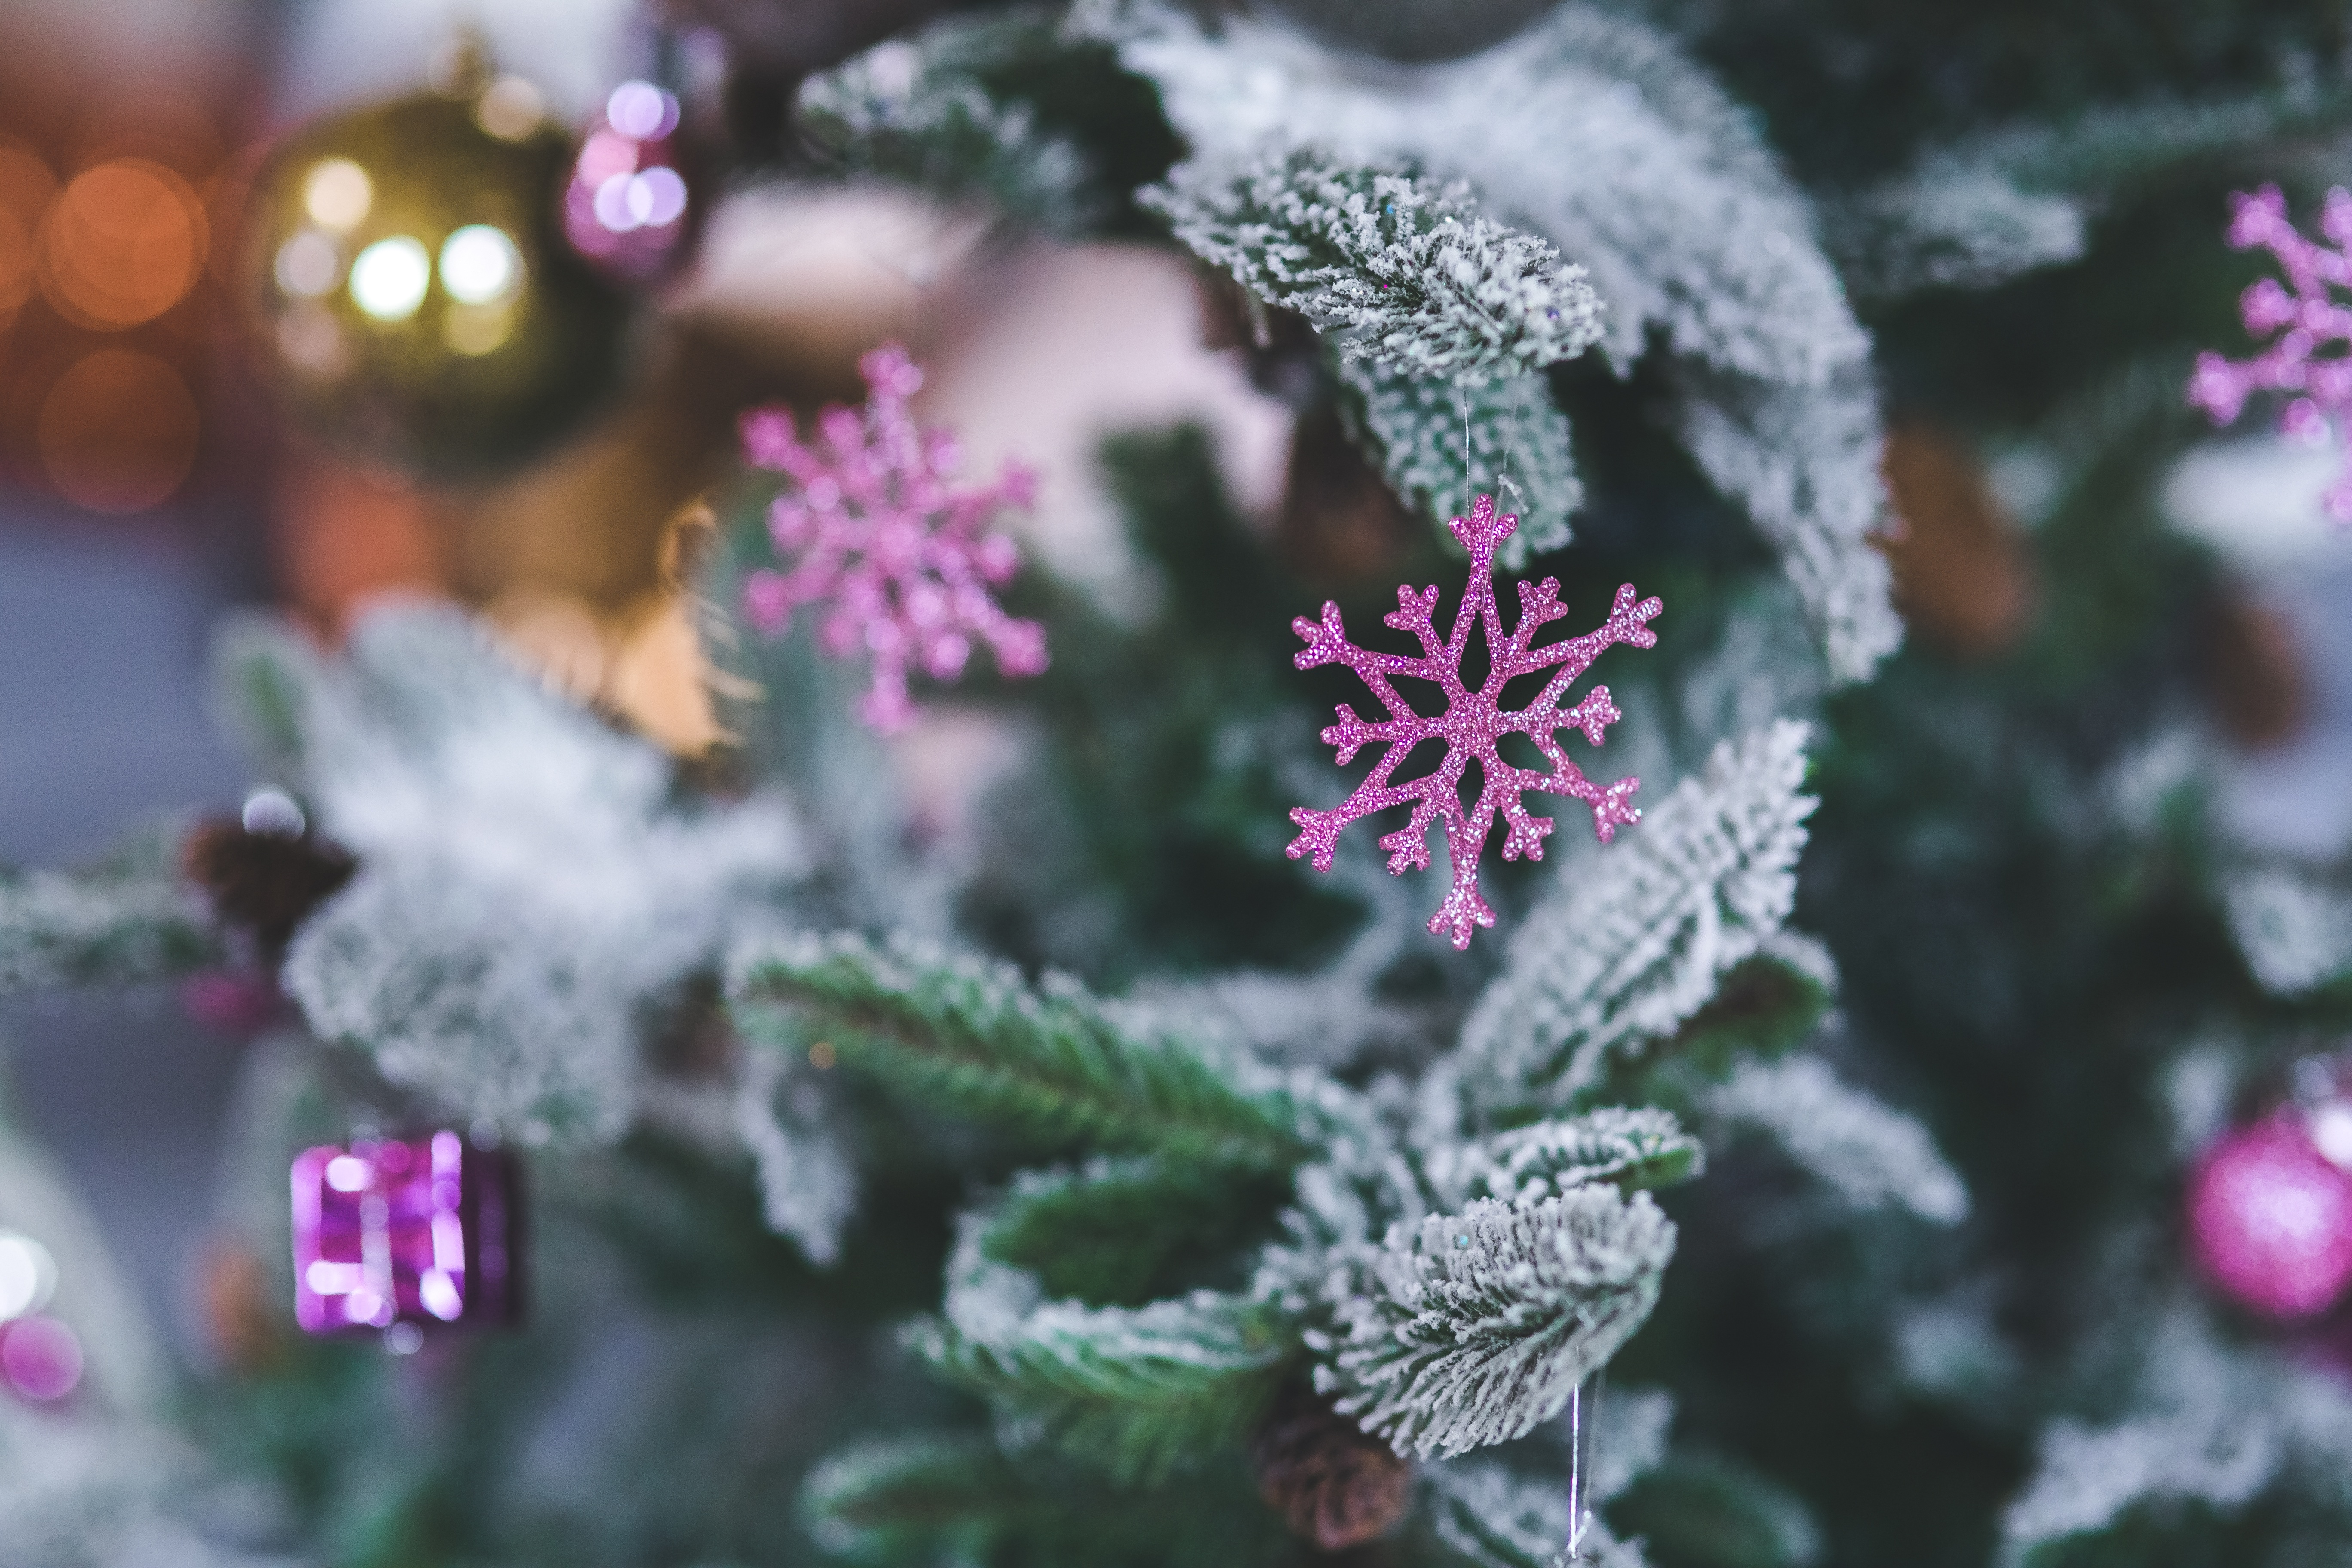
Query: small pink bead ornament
[(2269, 1219)]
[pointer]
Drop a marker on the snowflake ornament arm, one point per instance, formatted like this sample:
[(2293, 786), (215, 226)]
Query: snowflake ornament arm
[(2313, 320), (873, 528), (1472, 724)]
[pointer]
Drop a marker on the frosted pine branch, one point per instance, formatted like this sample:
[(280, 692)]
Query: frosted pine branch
[(1871, 1154), (2294, 926), (1491, 1517), (1520, 450), (918, 110), (1135, 1389), (529, 891), (977, 1037), (1638, 944), (1952, 223), (1405, 268), (1473, 1328), (116, 928), (1803, 461), (808, 1183), (1631, 1148)]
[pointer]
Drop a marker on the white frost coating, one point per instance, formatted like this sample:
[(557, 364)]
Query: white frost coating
[(1520, 449), (1639, 944), (1594, 131), (1495, 1519), (808, 1183), (1630, 1427), (1870, 1152), (525, 888), (1803, 460), (1404, 268), (2211, 1421), (1951, 223), (1473, 1328), (1001, 1316), (2295, 930), (1527, 1164)]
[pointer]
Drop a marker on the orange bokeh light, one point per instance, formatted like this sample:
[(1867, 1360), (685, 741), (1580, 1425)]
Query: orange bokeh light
[(122, 244), (118, 431)]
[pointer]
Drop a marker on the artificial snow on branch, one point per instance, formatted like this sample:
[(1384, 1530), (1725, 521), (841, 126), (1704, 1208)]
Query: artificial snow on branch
[(1519, 448), (1490, 1518), (117, 926), (1134, 1390), (1630, 1147), (808, 1183), (1951, 223), (529, 889), (2294, 926), (977, 1037), (1472, 1328), (1870, 1154), (1406, 270), (1594, 131), (1636, 944), (919, 110)]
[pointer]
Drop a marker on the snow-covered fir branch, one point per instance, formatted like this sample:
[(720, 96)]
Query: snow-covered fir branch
[(528, 891), (117, 926), (808, 1181), (918, 110), (1406, 270), (1473, 1328), (1949, 224), (1594, 131), (1492, 1518), (2293, 925), (1135, 1389), (1631, 1147), (977, 1037), (1867, 1152), (1519, 448), (1639, 942)]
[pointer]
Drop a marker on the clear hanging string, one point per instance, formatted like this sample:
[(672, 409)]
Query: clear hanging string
[(1583, 1412)]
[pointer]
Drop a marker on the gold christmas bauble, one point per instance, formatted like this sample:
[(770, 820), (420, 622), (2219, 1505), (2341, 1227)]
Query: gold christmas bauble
[(412, 298)]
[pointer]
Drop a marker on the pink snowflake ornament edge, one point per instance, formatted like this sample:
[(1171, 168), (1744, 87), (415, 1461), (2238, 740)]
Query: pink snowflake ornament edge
[(2296, 322), (1472, 724), (875, 531)]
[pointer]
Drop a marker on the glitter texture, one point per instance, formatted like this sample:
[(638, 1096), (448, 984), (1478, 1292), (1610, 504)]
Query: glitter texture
[(874, 527), (2313, 320), (1473, 725), (402, 1231), (2271, 1219)]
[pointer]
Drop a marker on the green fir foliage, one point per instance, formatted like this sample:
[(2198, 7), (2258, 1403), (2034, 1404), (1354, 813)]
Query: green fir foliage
[(1048, 1059)]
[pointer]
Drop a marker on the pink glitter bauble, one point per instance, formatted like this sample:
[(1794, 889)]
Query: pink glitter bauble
[(40, 1359), (2271, 1220)]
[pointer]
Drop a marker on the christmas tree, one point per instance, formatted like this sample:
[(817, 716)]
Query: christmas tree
[(1904, 1127)]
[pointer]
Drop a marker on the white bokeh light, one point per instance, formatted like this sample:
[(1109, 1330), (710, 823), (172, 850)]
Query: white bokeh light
[(390, 278), (27, 1275), (479, 265)]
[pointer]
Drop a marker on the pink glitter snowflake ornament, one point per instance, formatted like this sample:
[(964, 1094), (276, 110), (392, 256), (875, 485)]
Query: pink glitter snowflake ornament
[(874, 528), (2313, 318), (1473, 725)]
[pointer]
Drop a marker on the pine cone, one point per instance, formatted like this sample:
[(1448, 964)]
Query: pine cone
[(266, 882), (1335, 1484), (1963, 577)]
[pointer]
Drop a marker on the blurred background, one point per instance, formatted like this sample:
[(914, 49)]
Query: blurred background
[(193, 421)]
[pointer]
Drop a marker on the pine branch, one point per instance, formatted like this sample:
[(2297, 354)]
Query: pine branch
[(1406, 269), (1473, 1328), (1632, 1149), (1485, 1517), (901, 1497), (1642, 940), (1952, 223), (1136, 1391), (1520, 450), (120, 925), (1869, 1153), (920, 109), (2294, 926), (1100, 1232), (978, 1039)]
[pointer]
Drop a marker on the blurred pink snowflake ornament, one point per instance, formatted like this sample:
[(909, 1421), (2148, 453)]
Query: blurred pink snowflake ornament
[(2314, 321), (1473, 725), (874, 527)]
